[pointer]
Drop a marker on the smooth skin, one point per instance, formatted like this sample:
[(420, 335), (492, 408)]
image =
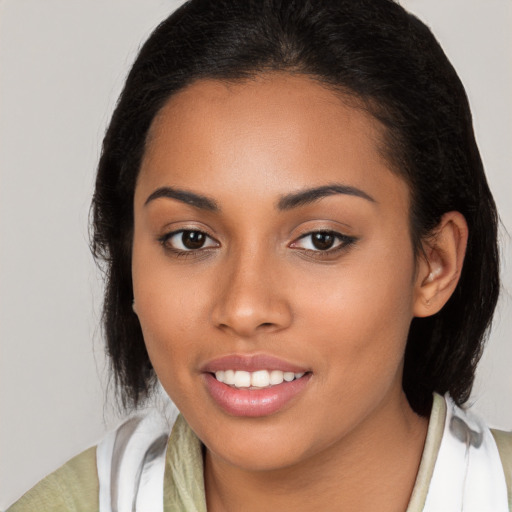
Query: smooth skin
[(256, 282)]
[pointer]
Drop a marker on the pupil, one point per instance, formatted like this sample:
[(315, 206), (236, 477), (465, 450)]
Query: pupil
[(323, 241), (192, 239)]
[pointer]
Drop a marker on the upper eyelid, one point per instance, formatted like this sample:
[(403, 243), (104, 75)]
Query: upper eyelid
[(166, 233), (333, 232), (342, 237), (206, 232), (326, 231), (324, 225)]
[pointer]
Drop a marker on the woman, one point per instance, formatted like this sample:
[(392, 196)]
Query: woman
[(293, 214)]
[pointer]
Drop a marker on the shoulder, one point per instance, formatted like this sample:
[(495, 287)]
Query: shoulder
[(132, 457), (73, 487), (504, 444)]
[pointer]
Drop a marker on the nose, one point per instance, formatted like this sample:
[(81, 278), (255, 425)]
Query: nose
[(251, 298)]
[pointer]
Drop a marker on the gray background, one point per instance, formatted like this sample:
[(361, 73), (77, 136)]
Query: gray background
[(62, 64)]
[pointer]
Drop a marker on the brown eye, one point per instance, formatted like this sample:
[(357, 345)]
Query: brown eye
[(322, 241), (193, 239), (187, 240)]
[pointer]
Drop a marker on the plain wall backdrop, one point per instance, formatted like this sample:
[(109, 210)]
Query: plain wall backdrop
[(62, 65)]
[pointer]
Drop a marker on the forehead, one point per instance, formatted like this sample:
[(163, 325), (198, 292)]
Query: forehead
[(292, 106), (286, 130)]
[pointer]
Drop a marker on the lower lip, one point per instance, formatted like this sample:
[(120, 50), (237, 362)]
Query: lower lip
[(254, 402)]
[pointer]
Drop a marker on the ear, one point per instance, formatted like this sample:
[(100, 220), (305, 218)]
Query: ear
[(440, 265)]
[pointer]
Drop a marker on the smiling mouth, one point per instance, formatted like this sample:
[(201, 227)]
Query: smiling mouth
[(260, 379), (254, 393)]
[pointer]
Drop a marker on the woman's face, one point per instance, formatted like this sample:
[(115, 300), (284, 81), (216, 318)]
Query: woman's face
[(271, 239)]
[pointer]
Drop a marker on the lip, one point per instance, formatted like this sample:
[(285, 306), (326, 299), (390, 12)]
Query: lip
[(253, 402), (251, 363)]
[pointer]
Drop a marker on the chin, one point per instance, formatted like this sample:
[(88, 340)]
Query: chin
[(259, 457), (263, 444)]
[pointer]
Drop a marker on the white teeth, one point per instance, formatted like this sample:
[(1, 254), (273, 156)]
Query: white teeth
[(242, 379), (260, 379), (276, 377), (229, 377), (257, 379)]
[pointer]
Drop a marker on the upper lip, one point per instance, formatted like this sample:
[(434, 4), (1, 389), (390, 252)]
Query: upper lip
[(251, 363)]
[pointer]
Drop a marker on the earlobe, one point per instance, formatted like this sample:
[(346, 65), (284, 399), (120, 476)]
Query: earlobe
[(440, 265)]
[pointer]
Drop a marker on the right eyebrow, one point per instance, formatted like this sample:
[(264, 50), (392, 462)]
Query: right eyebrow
[(185, 196), (310, 195)]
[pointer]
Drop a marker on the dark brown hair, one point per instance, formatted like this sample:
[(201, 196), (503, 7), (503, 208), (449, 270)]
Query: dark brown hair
[(371, 49)]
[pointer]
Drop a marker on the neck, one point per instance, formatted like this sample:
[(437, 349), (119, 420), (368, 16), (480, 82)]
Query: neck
[(372, 468)]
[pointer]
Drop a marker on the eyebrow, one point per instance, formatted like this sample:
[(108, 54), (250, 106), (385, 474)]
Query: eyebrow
[(185, 196), (287, 202), (310, 195)]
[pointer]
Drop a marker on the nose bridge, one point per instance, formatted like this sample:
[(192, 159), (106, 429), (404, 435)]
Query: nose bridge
[(250, 297)]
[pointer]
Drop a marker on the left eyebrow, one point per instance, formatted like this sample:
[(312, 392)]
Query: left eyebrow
[(185, 196), (310, 195)]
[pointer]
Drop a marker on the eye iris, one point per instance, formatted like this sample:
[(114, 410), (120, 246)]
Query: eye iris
[(323, 241), (193, 239)]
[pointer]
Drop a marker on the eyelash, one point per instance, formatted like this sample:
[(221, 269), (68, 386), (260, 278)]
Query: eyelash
[(344, 242)]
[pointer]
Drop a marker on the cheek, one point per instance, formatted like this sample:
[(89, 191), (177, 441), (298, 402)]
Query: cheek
[(361, 316), (164, 307), (169, 326), (169, 312)]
